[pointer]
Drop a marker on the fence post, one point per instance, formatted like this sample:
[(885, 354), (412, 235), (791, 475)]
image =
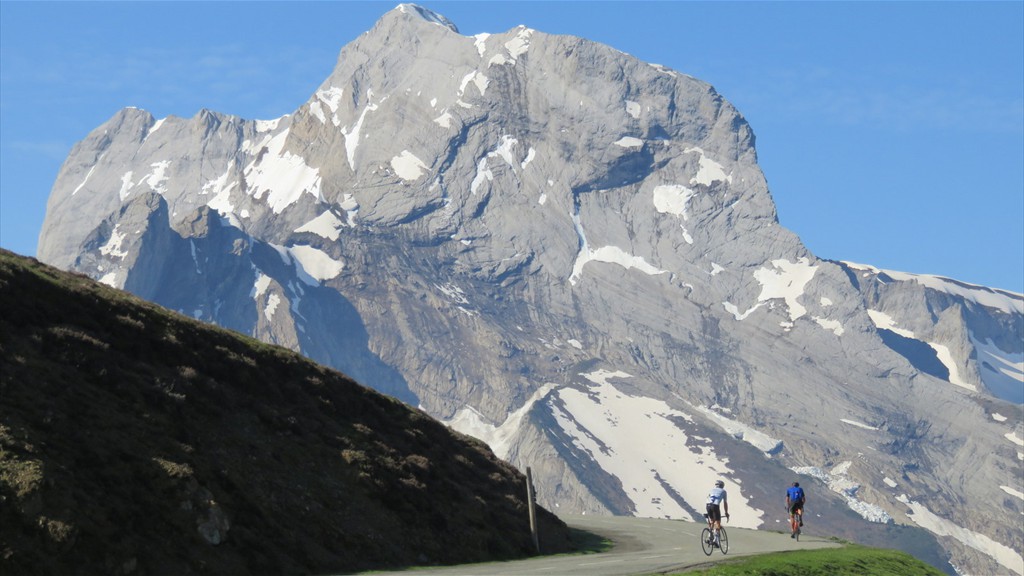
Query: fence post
[(531, 505)]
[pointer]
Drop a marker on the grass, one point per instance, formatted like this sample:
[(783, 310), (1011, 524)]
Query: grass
[(585, 542), (850, 560)]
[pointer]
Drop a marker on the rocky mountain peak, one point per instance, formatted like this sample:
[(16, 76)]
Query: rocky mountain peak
[(416, 11)]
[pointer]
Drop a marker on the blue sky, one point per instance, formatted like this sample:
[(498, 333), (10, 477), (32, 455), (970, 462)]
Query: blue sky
[(891, 133)]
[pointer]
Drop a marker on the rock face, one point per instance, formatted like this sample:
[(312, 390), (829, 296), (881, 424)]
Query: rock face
[(573, 255)]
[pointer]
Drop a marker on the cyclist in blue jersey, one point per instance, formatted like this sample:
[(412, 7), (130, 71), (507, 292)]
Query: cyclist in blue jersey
[(718, 500), (795, 499)]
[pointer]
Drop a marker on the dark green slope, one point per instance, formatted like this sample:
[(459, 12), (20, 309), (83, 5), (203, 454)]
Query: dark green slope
[(135, 440)]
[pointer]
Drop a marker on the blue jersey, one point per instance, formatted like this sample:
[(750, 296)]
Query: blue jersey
[(795, 494)]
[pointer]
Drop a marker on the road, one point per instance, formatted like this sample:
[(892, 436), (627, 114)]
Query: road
[(641, 546)]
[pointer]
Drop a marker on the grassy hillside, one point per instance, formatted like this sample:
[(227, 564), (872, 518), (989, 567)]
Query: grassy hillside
[(137, 441), (851, 560)]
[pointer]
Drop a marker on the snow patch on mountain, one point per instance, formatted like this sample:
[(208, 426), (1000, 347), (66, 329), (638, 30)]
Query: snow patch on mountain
[(503, 150), (445, 119), (157, 179), (453, 292), (283, 176), (1004, 300), (331, 97), (272, 301), (352, 134), (786, 282), (86, 179), (1013, 492), (629, 142), (156, 126), (925, 518), (858, 424), (1012, 437), (480, 41), (113, 245), (735, 311), (663, 69), (615, 255), (126, 185), (482, 173), (220, 184), (220, 188), (1000, 371), (741, 431), (639, 441), (427, 15), (351, 208), (314, 265), (110, 279), (607, 254), (709, 171), (530, 155), (835, 326), (672, 199), (269, 125), (884, 321), (520, 44), (838, 481), (479, 80), (260, 286), (944, 355), (633, 109), (408, 166), (469, 421), (326, 225)]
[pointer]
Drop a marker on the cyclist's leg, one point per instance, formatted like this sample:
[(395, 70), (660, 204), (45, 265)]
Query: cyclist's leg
[(716, 518)]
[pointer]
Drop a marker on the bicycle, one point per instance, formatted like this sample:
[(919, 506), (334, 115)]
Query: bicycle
[(795, 524), (708, 542)]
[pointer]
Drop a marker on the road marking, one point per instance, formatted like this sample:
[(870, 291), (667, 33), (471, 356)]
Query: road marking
[(658, 556)]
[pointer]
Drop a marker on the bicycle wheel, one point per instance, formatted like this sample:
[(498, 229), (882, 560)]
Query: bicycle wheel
[(705, 541), (723, 541)]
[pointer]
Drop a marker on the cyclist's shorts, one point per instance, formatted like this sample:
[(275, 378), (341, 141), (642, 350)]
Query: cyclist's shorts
[(715, 512), (797, 506)]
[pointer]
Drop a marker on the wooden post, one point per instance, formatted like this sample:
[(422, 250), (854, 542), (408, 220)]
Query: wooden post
[(532, 507)]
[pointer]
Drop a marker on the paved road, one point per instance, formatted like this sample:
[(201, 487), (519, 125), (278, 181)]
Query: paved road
[(641, 546)]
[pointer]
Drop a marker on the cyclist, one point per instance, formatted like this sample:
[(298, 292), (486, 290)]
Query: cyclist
[(718, 500), (795, 499)]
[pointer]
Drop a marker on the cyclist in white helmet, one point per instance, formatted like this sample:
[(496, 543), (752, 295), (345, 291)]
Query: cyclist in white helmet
[(718, 500)]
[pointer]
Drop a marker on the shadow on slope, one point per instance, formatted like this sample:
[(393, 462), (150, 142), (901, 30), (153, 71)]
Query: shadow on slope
[(135, 440), (920, 354)]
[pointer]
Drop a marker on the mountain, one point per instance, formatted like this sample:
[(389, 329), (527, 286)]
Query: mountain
[(573, 255), (135, 440)]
